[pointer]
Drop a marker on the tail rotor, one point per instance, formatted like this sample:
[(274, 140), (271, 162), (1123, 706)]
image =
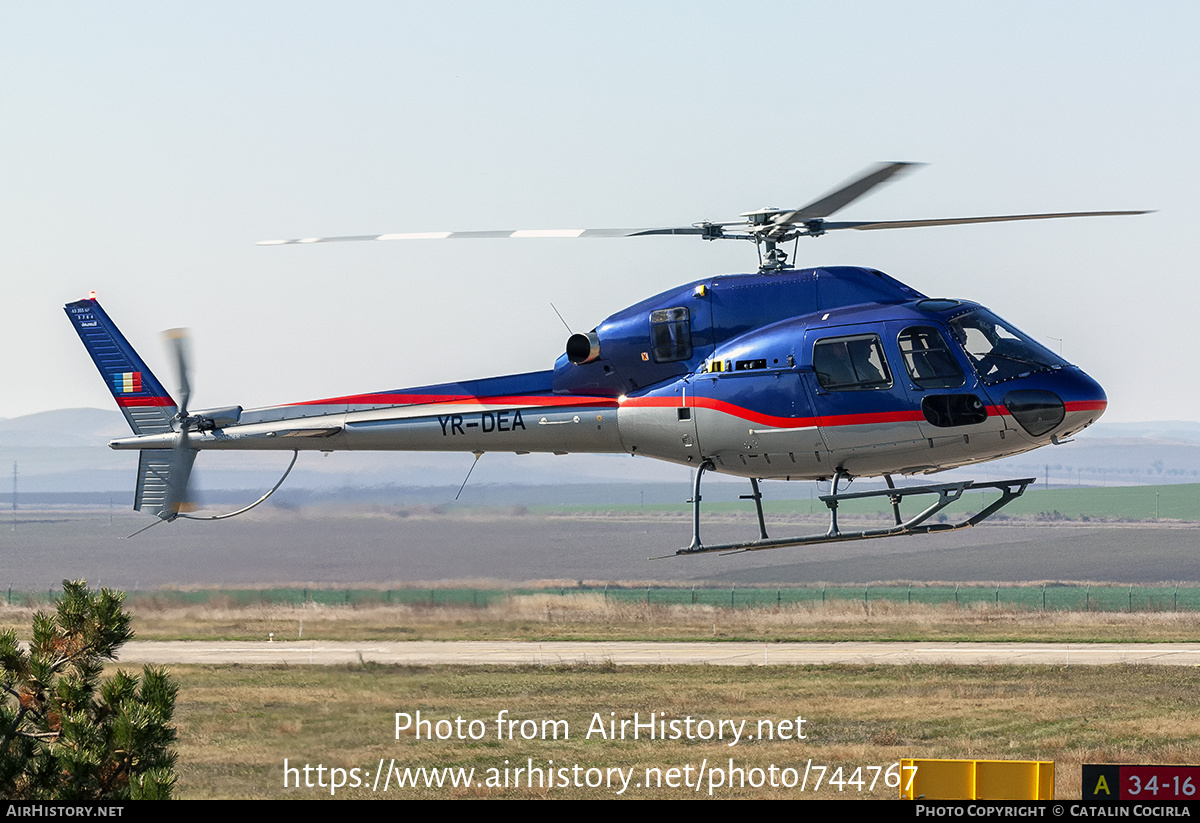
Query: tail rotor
[(176, 498)]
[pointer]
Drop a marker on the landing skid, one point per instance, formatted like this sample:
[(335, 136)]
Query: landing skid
[(947, 493)]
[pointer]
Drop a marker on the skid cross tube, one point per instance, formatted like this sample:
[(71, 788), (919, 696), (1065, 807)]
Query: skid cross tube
[(947, 493)]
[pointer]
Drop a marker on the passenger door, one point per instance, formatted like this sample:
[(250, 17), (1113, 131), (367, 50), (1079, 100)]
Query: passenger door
[(860, 401)]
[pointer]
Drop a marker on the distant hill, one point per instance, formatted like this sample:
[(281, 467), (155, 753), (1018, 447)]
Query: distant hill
[(65, 451), (1177, 431), (1111, 454)]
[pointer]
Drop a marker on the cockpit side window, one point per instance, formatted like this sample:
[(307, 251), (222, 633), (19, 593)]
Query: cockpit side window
[(851, 363), (998, 351), (928, 359), (670, 335)]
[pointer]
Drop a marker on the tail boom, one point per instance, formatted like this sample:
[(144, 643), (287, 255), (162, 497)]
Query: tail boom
[(519, 424)]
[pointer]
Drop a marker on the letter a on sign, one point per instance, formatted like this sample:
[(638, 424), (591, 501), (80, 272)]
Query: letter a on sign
[(1105, 780)]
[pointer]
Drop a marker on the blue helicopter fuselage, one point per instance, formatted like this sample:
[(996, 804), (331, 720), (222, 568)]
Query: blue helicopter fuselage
[(792, 374), (744, 371)]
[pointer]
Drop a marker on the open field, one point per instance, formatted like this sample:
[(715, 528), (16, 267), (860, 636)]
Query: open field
[(238, 724), (589, 617)]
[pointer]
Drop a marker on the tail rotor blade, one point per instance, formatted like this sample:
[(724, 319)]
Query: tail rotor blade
[(179, 473), (179, 342)]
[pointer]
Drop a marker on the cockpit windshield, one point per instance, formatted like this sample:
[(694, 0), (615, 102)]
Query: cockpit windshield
[(998, 351)]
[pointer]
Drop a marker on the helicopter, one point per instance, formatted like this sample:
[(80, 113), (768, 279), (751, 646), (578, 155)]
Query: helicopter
[(829, 373)]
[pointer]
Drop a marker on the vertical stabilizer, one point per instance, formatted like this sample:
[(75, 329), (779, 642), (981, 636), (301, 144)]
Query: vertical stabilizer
[(138, 393)]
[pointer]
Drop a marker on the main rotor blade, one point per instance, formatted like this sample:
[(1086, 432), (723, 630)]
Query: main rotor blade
[(477, 235), (177, 340), (844, 196), (954, 221)]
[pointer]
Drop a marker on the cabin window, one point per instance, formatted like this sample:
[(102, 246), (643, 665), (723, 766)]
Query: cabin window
[(670, 335), (928, 360), (851, 363)]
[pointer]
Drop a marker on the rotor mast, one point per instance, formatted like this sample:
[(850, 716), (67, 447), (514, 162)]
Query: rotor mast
[(768, 236)]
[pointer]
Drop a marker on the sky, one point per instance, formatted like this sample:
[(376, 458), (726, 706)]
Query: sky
[(146, 146)]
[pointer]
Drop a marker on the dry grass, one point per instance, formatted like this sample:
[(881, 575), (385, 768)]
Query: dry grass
[(589, 617), (237, 724)]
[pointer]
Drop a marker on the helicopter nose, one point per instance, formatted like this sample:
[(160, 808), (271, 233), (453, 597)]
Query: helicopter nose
[(1076, 402)]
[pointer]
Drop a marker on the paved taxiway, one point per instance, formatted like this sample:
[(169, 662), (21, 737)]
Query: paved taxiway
[(477, 653)]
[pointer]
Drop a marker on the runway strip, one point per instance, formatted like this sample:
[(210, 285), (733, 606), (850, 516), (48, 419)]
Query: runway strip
[(502, 653)]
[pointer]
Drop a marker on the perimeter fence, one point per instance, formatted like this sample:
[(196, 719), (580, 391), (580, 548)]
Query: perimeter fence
[(1045, 597)]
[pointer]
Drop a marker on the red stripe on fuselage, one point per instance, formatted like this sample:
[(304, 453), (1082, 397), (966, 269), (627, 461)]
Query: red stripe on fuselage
[(871, 418), (865, 419), (1086, 405), (723, 407)]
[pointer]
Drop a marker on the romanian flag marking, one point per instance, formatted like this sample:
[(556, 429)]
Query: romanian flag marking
[(127, 382)]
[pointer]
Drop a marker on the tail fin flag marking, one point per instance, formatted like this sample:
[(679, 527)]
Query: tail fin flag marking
[(127, 382)]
